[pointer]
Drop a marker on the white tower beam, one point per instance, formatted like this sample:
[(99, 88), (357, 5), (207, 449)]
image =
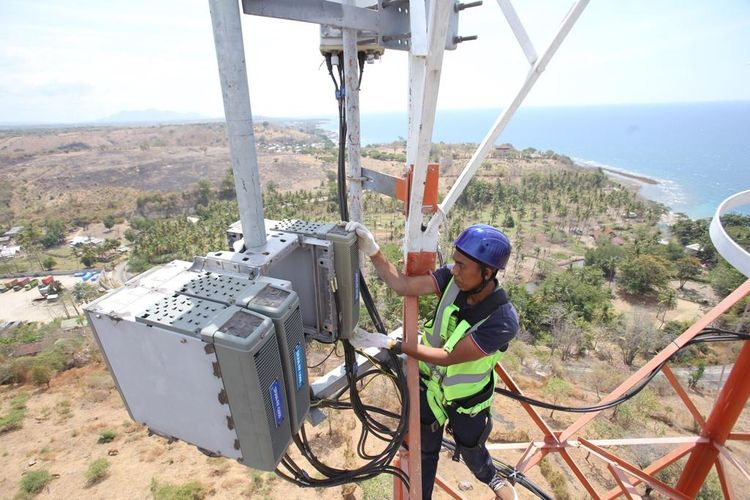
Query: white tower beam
[(488, 142)]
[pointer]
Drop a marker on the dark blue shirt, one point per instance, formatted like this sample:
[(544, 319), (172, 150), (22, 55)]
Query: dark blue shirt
[(495, 333)]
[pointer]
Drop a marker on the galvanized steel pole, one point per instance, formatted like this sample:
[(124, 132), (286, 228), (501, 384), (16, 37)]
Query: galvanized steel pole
[(351, 79), (230, 55)]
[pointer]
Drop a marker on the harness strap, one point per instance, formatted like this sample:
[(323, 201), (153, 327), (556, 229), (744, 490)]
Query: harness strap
[(480, 442)]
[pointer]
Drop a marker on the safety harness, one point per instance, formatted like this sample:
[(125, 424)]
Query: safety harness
[(466, 387)]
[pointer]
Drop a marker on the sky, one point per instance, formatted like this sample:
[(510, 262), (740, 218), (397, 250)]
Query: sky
[(84, 60)]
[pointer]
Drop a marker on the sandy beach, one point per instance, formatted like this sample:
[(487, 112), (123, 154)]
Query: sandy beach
[(639, 178), (625, 177)]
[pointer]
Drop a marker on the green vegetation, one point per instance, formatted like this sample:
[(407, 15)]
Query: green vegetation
[(642, 274), (97, 471), (25, 333), (606, 256), (377, 154), (14, 418), (377, 488), (724, 278), (164, 240), (556, 480), (687, 268), (108, 221), (6, 196), (192, 490), (34, 482), (696, 374), (556, 390), (106, 437), (260, 484), (42, 367)]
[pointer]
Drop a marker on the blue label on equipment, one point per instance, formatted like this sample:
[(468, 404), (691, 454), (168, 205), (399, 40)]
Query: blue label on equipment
[(277, 402), (299, 365), (356, 286)]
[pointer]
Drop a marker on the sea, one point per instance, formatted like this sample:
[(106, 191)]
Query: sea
[(699, 153)]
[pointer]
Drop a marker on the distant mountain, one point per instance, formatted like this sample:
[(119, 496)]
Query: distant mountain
[(154, 116)]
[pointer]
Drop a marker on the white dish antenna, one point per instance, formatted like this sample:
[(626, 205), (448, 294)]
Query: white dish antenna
[(725, 245)]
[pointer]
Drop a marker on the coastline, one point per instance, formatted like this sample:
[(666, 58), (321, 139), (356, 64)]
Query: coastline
[(639, 178), (637, 181), (618, 174)]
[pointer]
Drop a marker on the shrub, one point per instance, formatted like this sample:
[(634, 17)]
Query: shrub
[(192, 490), (644, 273), (35, 481), (106, 437), (14, 419), (41, 375), (97, 471), (556, 480), (557, 389)]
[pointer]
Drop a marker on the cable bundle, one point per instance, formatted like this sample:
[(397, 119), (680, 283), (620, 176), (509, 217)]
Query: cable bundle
[(706, 335), (368, 415)]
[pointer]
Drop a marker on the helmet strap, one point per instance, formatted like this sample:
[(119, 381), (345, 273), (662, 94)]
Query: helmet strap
[(482, 267)]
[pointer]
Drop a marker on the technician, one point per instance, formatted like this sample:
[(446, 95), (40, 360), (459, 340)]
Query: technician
[(470, 329)]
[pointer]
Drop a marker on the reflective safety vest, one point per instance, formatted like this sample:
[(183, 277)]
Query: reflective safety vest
[(455, 384)]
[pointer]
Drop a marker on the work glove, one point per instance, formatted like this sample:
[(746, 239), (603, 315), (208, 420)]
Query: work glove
[(362, 339), (365, 239)]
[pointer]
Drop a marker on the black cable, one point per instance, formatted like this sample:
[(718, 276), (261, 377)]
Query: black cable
[(705, 336), (508, 472), (372, 426), (326, 358), (379, 463)]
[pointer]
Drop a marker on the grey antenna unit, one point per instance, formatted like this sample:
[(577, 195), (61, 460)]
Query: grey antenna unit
[(323, 269)]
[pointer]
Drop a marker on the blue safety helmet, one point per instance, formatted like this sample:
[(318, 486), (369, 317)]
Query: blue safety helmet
[(485, 244)]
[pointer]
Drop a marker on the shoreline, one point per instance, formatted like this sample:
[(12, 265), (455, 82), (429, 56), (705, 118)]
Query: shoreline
[(635, 177), (641, 179)]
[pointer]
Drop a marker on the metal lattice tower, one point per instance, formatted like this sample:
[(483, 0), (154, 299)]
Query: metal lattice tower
[(426, 28)]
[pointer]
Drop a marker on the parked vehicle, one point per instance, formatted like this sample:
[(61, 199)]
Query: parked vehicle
[(47, 280), (31, 284)]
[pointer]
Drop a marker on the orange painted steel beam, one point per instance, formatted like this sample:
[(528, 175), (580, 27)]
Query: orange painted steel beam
[(684, 397), (549, 435), (726, 486), (411, 313), (401, 461), (633, 470), (665, 353), (417, 264), (722, 419), (602, 442), (579, 474), (739, 436), (525, 462), (624, 482), (439, 481), (430, 197), (655, 467), (730, 458)]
